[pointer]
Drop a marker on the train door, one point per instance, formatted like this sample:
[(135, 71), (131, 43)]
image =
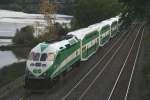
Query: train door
[(105, 34), (84, 52), (114, 29)]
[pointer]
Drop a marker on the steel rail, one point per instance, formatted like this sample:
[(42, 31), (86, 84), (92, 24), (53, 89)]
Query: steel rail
[(95, 66)]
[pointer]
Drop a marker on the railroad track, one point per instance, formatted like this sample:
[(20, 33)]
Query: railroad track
[(128, 67), (82, 87)]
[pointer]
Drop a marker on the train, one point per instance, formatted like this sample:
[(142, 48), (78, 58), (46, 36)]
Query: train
[(48, 61)]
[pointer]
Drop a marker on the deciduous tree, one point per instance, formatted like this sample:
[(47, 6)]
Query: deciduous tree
[(49, 10), (88, 12)]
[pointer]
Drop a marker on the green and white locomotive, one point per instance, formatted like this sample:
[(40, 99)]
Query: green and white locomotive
[(47, 61)]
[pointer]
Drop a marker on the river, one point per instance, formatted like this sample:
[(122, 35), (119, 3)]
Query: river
[(8, 57), (12, 20)]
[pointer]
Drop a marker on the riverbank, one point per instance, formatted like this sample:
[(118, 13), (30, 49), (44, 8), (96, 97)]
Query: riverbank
[(12, 62), (11, 72), (13, 54), (12, 47)]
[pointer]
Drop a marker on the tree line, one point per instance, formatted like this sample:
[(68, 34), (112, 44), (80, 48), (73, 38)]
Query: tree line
[(92, 9), (32, 6), (136, 9), (87, 12)]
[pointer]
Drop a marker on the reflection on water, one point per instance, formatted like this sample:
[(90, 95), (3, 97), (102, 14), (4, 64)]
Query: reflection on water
[(10, 57), (6, 58), (4, 42)]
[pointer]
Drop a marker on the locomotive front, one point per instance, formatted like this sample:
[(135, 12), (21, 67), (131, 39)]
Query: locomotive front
[(38, 66)]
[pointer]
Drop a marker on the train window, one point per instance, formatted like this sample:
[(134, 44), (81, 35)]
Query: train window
[(97, 40), (36, 56), (43, 57), (50, 57), (84, 48), (76, 53)]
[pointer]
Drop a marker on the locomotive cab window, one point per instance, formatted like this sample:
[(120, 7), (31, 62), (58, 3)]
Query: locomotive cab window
[(34, 56), (43, 57)]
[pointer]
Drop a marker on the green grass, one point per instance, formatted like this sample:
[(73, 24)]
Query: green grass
[(11, 72)]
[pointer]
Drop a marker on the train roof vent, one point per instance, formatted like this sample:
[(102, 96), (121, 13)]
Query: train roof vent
[(72, 41), (67, 45), (61, 48)]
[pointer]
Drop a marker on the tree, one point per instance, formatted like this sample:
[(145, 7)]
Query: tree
[(48, 9), (6, 1), (88, 12), (25, 36), (136, 9), (60, 30)]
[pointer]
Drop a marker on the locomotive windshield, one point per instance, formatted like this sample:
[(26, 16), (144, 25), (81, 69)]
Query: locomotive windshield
[(37, 56), (34, 56), (43, 57)]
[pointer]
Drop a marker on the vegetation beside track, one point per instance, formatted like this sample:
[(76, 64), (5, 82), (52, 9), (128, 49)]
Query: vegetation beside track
[(11, 73), (146, 71)]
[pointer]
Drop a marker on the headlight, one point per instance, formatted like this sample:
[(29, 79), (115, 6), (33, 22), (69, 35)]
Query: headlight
[(51, 57)]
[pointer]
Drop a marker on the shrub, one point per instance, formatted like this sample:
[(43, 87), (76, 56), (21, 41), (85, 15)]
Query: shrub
[(25, 36)]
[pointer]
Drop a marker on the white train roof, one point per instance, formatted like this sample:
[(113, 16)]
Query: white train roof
[(98, 26), (54, 47), (81, 33), (58, 45), (115, 18)]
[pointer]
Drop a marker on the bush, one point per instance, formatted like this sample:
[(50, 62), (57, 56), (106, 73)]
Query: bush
[(53, 33), (87, 12), (60, 30), (25, 36), (11, 72)]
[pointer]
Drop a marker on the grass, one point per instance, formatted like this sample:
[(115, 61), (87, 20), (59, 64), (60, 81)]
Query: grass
[(11, 72)]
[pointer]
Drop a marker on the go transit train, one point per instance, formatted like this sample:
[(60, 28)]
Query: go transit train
[(48, 61)]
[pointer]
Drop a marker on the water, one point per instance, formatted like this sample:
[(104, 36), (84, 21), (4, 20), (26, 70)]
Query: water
[(7, 58), (9, 22), (4, 42), (9, 29), (12, 20)]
